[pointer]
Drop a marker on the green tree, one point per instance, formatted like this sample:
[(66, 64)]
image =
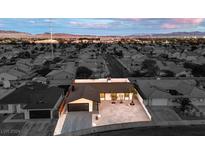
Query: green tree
[(184, 103), (151, 67)]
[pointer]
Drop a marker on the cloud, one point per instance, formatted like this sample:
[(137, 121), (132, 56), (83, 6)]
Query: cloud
[(32, 21), (90, 25), (182, 23), (192, 21), (129, 19), (169, 26)]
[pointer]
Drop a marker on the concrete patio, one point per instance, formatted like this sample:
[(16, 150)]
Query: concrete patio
[(120, 113)]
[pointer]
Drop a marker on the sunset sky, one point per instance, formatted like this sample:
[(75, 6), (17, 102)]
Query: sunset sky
[(104, 26)]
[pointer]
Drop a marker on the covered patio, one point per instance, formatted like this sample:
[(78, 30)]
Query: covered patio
[(119, 113)]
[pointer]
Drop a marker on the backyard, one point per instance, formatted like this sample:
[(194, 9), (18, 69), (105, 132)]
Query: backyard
[(120, 113)]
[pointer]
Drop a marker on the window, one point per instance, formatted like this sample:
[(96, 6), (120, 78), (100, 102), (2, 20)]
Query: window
[(127, 95), (114, 96), (3, 107), (102, 95)]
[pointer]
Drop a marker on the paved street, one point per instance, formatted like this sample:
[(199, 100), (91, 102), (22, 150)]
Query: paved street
[(197, 130), (115, 67)]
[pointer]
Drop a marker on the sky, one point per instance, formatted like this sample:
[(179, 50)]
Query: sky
[(103, 26)]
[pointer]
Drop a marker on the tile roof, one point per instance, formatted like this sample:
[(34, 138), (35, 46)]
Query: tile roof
[(163, 88)]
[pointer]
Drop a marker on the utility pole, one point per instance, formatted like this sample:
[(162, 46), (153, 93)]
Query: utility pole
[(51, 39)]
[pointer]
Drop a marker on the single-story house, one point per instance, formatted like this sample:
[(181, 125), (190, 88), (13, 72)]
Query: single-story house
[(87, 94), (6, 76), (35, 100), (162, 92), (173, 67), (60, 77), (17, 73), (98, 102)]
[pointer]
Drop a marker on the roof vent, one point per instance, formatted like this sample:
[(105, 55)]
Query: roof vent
[(41, 101), (109, 79)]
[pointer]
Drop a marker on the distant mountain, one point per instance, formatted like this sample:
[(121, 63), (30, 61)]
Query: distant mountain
[(16, 34), (61, 35), (173, 34)]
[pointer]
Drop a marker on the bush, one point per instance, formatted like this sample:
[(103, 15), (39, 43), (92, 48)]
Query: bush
[(83, 73)]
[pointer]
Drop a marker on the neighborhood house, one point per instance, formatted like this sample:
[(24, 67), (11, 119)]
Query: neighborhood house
[(34, 100), (103, 102)]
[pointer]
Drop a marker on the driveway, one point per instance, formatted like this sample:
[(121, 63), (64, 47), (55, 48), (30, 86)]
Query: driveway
[(38, 127), (76, 121)]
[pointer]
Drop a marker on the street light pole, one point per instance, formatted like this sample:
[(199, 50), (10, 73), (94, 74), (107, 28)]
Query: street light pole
[(51, 39)]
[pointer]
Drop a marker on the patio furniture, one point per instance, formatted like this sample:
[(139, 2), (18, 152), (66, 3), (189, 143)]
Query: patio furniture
[(132, 103), (113, 102), (96, 117)]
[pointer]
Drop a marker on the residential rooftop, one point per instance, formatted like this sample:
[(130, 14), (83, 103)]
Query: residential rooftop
[(34, 96), (168, 88), (103, 80)]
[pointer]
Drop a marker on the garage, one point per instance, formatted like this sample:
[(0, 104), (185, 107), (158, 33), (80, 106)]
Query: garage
[(159, 102), (40, 114), (78, 107)]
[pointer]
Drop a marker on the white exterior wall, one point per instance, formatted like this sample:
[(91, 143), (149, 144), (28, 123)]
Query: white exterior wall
[(131, 96), (11, 109), (158, 102), (139, 98), (109, 98), (83, 100), (19, 109), (120, 96), (26, 114)]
